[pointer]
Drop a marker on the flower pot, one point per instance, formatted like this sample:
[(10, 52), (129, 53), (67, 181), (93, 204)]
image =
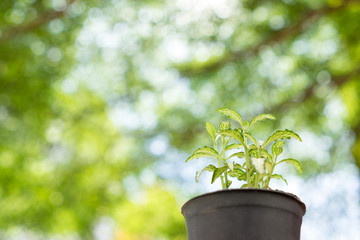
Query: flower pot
[(244, 214)]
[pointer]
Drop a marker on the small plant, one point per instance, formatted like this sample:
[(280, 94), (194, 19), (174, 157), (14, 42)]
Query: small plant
[(256, 164)]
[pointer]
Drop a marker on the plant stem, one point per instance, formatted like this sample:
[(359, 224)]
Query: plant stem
[(256, 180), (224, 161), (247, 158), (219, 165), (269, 175)]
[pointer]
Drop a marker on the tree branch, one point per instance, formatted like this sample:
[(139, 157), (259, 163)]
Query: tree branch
[(338, 81), (13, 32), (291, 31)]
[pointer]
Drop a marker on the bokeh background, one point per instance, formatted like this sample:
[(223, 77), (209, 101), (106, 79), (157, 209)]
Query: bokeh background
[(101, 102)]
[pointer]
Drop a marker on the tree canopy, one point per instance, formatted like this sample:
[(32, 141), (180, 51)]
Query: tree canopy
[(102, 101)]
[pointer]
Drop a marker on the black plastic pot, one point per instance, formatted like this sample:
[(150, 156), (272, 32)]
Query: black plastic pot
[(244, 214)]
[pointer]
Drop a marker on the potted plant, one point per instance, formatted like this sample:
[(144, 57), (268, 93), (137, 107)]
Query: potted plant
[(253, 212)]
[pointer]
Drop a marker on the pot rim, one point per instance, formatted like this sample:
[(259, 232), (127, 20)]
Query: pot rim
[(276, 191)]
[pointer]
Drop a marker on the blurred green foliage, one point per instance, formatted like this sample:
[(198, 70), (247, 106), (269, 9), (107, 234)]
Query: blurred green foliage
[(153, 216), (94, 92)]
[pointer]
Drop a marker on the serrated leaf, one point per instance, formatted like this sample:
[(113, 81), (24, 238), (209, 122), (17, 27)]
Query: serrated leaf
[(250, 137), (261, 117), (237, 173), (238, 154), (211, 130), (235, 134), (199, 155), (209, 168), (208, 150), (223, 126), (277, 148), (281, 134), (217, 173), (277, 176), (231, 114), (293, 162), (233, 146), (252, 146), (254, 153)]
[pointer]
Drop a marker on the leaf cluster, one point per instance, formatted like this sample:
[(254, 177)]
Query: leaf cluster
[(256, 160)]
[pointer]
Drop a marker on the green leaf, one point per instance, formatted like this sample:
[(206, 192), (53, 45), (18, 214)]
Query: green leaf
[(217, 173), (228, 183), (281, 134), (223, 126), (207, 150), (265, 154), (231, 165), (209, 168), (294, 162), (250, 137), (236, 165), (231, 114), (199, 155), (203, 152), (246, 185), (233, 146), (254, 153), (210, 128), (252, 147), (252, 178), (261, 117), (235, 134), (277, 176), (277, 148), (268, 166), (238, 154), (238, 173)]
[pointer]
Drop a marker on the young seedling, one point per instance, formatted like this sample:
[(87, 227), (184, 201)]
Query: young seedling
[(256, 164)]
